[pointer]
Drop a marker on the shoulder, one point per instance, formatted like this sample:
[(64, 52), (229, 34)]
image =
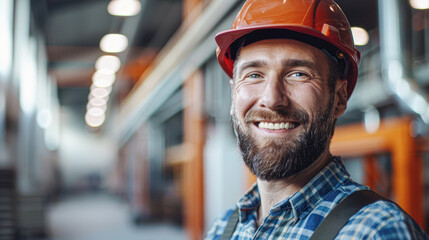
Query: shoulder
[(381, 220), (218, 226)]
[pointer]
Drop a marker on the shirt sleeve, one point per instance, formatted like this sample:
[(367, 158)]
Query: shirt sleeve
[(399, 230), (382, 220)]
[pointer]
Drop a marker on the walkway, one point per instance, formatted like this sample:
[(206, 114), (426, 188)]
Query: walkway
[(100, 216)]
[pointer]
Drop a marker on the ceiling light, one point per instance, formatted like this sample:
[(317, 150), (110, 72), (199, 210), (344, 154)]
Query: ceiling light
[(124, 8), (103, 78), (109, 89), (371, 119), (103, 73), (90, 106), (114, 43), (360, 36), (95, 111), (419, 4), (97, 102), (94, 121), (418, 104), (109, 62), (99, 93), (103, 82), (44, 118)]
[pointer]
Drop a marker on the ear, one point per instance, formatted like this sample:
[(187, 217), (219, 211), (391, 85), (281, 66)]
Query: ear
[(340, 102)]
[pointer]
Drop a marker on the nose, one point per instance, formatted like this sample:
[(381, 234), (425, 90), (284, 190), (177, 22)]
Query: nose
[(274, 95)]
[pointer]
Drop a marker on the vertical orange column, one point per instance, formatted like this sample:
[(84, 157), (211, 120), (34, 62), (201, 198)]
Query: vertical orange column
[(370, 170), (194, 136), (407, 172), (394, 137), (191, 9), (419, 200), (249, 179)]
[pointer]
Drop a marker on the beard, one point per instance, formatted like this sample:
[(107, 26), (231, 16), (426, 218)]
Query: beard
[(280, 158)]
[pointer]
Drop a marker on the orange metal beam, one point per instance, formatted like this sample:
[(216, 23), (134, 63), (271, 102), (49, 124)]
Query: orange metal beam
[(194, 135), (370, 170), (191, 9), (393, 136), (250, 179)]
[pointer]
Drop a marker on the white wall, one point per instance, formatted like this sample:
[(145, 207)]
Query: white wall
[(224, 180), (82, 152)]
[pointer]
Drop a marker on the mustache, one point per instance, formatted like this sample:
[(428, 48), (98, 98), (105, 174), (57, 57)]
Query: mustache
[(291, 114)]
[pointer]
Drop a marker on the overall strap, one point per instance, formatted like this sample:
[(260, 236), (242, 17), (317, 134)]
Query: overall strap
[(230, 226), (340, 215)]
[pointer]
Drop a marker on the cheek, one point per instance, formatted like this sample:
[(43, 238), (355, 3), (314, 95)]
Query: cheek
[(310, 99), (243, 99)]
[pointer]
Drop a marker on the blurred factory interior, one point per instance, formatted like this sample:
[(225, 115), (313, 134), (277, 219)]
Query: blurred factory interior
[(136, 133)]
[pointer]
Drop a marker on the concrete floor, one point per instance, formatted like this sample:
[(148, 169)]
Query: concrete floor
[(100, 216)]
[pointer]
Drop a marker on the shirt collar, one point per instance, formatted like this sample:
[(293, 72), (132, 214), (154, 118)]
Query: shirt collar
[(329, 178)]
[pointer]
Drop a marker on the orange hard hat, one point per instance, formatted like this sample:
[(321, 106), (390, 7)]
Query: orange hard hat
[(321, 23)]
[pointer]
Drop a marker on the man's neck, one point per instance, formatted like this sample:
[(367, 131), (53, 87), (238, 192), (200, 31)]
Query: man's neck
[(273, 192)]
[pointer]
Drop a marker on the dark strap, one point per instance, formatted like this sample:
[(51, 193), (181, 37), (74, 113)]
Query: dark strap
[(333, 222), (340, 215), (230, 226)]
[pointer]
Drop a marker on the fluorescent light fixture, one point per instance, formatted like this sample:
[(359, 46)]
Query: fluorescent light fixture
[(99, 93), (418, 104), (124, 8), (95, 111), (403, 88), (44, 118), (419, 4), (97, 102), (94, 121), (103, 82), (28, 79), (360, 36), (114, 43), (103, 78), (371, 119), (90, 106), (6, 41), (103, 73), (109, 62), (109, 89)]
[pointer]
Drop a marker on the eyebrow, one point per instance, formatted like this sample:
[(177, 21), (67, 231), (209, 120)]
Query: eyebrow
[(299, 63), (251, 64)]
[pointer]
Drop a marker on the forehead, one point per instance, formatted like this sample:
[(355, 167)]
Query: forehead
[(282, 49)]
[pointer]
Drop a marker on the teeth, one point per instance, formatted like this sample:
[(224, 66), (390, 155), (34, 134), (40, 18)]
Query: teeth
[(276, 126)]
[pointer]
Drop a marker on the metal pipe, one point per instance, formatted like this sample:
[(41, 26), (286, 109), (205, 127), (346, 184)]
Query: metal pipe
[(395, 62), (6, 45)]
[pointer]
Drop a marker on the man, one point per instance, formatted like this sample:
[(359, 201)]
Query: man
[(293, 66)]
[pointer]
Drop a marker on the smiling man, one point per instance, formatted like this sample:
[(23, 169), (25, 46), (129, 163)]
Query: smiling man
[(293, 66)]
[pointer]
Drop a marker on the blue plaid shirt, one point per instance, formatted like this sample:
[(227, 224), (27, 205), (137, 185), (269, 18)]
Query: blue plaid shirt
[(298, 216)]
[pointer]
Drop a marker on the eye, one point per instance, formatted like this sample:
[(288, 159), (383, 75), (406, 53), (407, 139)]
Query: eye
[(298, 76), (254, 76)]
